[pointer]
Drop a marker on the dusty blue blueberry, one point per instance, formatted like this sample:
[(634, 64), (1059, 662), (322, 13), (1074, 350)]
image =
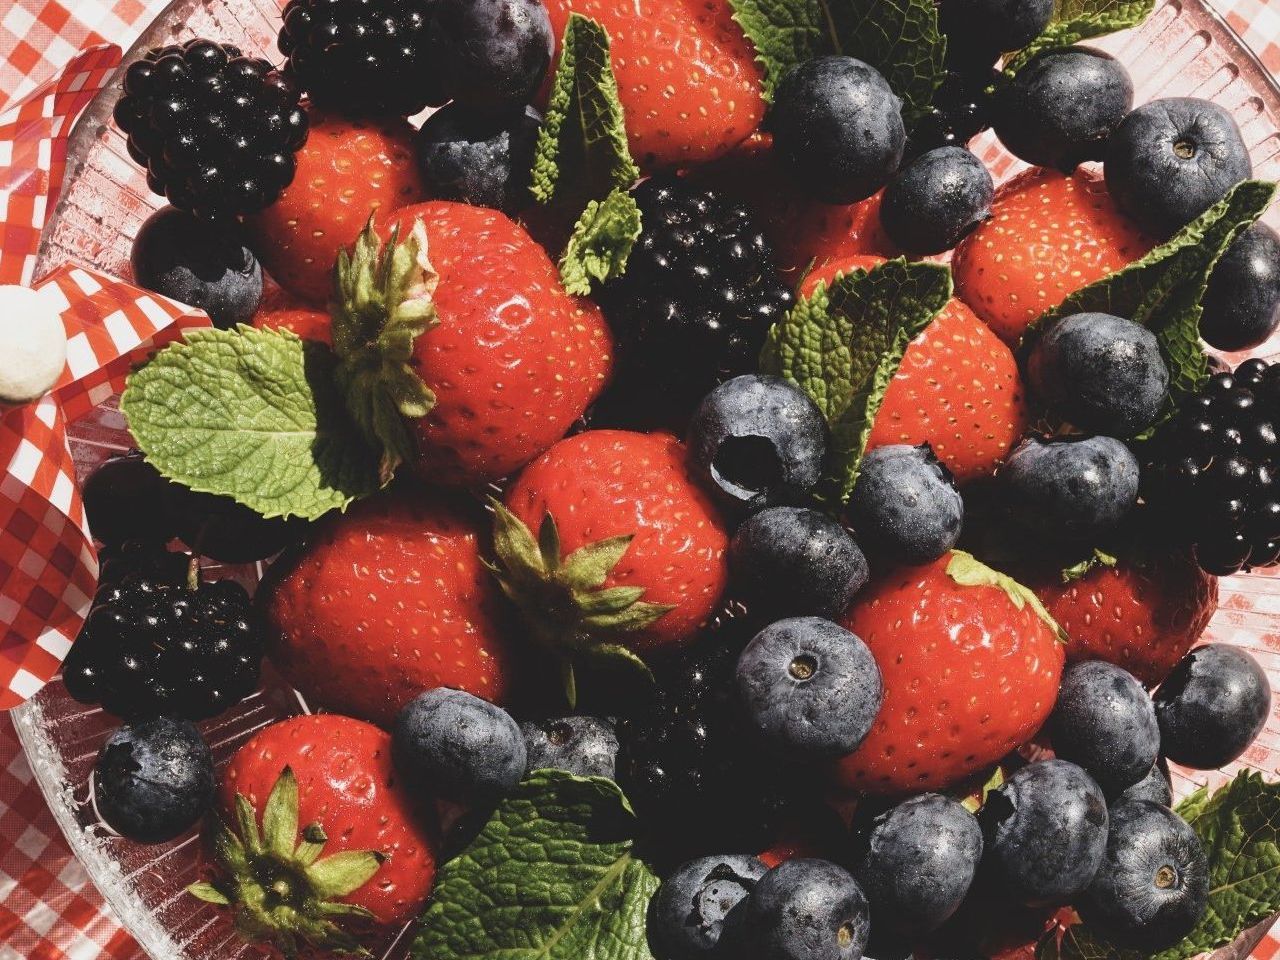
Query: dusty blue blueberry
[(809, 687), (1171, 160), (493, 54), (917, 862), (1155, 786), (198, 263), (694, 902), (1104, 374), (807, 909), (1152, 888), (758, 441), (153, 780), (837, 128), (1242, 303), (905, 507), (1062, 106), (585, 746), (1070, 488), (936, 200), (792, 561), (478, 159), (1212, 706), (458, 746), (1104, 721), (1046, 832)]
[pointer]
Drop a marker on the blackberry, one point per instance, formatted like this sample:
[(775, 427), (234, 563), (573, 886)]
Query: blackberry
[(700, 293), (154, 647), (362, 57), (962, 108), (215, 130), (1212, 472)]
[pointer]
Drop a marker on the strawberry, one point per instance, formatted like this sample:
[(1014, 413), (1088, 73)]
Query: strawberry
[(624, 511), (1049, 235), (958, 388), (970, 664), (282, 311), (387, 600), (366, 848), (688, 78), (348, 170), (1143, 613)]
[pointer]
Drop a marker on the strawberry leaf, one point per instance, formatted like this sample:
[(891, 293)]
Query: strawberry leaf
[(844, 344), (1097, 558), (601, 242), (968, 571), (1076, 20)]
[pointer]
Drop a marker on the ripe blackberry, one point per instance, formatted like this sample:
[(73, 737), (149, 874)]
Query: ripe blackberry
[(153, 647), (362, 57), (961, 109), (1212, 473), (215, 130), (699, 294)]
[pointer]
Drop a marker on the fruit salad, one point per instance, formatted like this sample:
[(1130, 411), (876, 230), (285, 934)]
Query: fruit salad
[(702, 514)]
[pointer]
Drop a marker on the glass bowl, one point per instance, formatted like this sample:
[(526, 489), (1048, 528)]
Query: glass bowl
[(1184, 49)]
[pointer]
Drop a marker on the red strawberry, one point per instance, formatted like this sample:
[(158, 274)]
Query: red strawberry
[(1142, 614), (687, 76), (387, 600), (281, 311), (970, 669), (958, 388), (650, 567), (1048, 236), (347, 170), (320, 793)]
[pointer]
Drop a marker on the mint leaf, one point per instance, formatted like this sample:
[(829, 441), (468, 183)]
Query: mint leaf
[(844, 343), (785, 33), (551, 876), (601, 242), (254, 415), (1163, 290), (1076, 20)]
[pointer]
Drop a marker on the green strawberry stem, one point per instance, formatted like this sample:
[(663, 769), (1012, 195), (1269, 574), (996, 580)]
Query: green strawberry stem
[(283, 892)]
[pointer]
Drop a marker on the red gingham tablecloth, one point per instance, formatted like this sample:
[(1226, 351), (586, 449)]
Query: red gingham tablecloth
[(48, 908)]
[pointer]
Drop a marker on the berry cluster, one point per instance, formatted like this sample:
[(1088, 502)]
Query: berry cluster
[(961, 109)]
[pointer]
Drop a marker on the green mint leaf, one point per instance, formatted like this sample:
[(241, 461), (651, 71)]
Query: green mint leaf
[(785, 33), (1076, 20), (551, 876), (1163, 290), (601, 242), (844, 344), (254, 415)]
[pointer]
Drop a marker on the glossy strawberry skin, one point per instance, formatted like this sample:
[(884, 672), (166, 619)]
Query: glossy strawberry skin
[(687, 76), (346, 784), (348, 170), (1049, 235), (388, 600), (607, 483), (958, 388), (514, 360), (1140, 616), (968, 677), (281, 310)]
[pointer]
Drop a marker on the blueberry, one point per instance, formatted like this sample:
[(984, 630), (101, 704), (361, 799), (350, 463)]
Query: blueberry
[(1153, 886), (584, 746), (478, 160), (1155, 786), (458, 746), (225, 530), (758, 441), (1212, 706), (1101, 373), (494, 53), (918, 862), (905, 507), (153, 780), (1062, 106), (1070, 488), (1171, 160), (1046, 832), (809, 687), (1242, 303), (198, 263), (1104, 721), (692, 905), (837, 128), (805, 909), (978, 31), (120, 496), (792, 561), (936, 200)]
